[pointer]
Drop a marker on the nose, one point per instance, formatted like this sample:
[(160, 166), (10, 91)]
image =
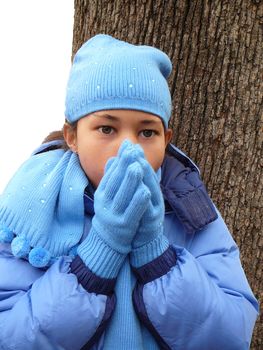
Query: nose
[(130, 137), (125, 137)]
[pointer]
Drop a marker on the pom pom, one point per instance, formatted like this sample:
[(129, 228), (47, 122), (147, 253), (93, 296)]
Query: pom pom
[(39, 257), (20, 247), (6, 235)]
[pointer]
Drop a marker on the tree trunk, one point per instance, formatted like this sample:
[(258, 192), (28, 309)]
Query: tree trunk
[(217, 52)]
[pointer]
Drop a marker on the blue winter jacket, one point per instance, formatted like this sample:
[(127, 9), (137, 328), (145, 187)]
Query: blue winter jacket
[(194, 296)]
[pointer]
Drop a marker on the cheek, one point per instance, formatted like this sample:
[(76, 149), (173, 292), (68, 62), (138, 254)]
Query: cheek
[(93, 168), (155, 158), (93, 165)]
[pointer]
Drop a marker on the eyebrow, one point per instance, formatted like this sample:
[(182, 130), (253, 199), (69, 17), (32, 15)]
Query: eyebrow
[(116, 119)]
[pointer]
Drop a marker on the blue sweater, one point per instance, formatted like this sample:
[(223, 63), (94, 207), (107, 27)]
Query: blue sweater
[(194, 296)]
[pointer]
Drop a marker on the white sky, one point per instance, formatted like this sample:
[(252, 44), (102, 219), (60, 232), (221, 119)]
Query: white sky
[(36, 40)]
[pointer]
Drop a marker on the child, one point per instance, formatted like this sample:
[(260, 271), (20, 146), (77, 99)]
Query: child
[(110, 240)]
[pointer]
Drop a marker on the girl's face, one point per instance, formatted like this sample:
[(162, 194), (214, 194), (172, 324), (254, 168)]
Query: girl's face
[(99, 135)]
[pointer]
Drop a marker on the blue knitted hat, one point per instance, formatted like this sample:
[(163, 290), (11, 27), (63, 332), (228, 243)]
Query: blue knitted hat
[(111, 74)]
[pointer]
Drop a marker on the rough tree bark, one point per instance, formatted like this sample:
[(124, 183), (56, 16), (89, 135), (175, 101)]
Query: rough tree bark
[(217, 52)]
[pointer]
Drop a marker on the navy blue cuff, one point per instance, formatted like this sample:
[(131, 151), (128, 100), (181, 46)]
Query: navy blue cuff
[(157, 267), (89, 281)]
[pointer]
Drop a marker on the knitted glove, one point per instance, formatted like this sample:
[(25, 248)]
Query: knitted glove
[(149, 241), (119, 203)]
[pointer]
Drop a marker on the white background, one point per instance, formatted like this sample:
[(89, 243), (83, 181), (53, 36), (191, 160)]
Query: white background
[(35, 59)]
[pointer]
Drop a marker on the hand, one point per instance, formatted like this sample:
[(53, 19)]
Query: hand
[(151, 224), (121, 199)]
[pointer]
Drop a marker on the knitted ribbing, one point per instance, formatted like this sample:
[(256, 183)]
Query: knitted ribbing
[(148, 252), (125, 330), (99, 257), (125, 327)]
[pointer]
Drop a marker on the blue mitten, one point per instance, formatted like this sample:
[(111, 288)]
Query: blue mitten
[(149, 241), (119, 203)]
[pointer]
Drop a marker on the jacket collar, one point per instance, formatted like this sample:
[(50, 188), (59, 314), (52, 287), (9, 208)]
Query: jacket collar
[(184, 192)]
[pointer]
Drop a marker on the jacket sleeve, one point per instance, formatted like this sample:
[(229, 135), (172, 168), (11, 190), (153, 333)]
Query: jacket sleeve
[(51, 309), (197, 297)]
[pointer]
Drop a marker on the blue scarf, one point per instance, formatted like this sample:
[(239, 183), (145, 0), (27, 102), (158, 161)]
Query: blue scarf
[(42, 207)]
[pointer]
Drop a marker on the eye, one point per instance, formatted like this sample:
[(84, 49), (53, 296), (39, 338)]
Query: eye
[(148, 133), (105, 129)]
